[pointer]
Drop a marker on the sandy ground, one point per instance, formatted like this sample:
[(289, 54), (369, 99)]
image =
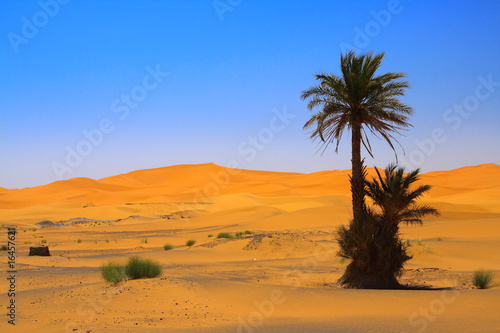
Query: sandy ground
[(279, 279)]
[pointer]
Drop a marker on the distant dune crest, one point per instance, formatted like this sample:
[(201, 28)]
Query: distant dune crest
[(188, 182)]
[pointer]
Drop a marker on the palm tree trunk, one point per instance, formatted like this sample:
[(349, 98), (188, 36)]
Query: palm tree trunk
[(357, 178)]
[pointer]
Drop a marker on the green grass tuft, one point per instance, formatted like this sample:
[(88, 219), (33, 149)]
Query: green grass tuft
[(3, 248), (483, 279), (225, 235), (418, 246), (137, 268), (168, 247), (237, 235), (407, 242), (190, 242), (112, 272), (420, 242), (243, 233), (410, 242)]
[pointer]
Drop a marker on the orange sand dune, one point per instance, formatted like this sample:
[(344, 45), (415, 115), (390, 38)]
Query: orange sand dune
[(483, 176), (278, 277), (196, 182)]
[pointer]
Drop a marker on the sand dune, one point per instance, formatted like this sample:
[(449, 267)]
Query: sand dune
[(281, 278), (190, 182), (483, 176)]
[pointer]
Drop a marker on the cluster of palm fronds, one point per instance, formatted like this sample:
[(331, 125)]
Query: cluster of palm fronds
[(373, 242)]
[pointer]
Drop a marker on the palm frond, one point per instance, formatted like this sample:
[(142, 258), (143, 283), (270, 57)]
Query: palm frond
[(358, 96), (394, 194)]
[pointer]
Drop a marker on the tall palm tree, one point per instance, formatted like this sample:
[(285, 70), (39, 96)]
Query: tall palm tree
[(374, 246), (361, 102)]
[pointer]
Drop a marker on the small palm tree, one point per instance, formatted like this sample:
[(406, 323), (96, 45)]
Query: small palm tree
[(395, 197), (373, 242), (361, 102)]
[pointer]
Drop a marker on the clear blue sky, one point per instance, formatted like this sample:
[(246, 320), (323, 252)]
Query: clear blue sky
[(68, 66)]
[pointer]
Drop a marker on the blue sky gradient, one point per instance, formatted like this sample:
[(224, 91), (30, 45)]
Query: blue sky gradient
[(229, 65)]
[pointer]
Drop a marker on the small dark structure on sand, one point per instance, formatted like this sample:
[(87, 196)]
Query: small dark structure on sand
[(39, 251)]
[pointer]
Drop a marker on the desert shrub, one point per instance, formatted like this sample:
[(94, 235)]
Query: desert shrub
[(229, 235), (410, 242), (225, 235), (3, 248), (482, 279), (44, 241), (112, 272), (168, 247), (420, 242), (418, 246), (78, 240), (365, 244), (190, 242), (210, 235), (137, 268)]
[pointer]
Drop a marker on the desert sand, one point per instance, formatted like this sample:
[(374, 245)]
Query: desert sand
[(281, 278)]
